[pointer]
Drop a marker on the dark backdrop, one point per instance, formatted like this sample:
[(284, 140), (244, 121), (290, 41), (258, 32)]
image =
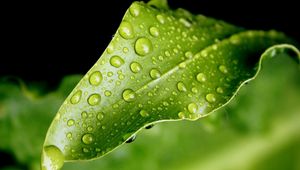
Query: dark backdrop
[(42, 42)]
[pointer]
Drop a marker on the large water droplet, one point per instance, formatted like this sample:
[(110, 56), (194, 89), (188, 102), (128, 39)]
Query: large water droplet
[(154, 31), (134, 10), (116, 61), (143, 46), (201, 77), (95, 78), (94, 99), (70, 122), (223, 69), (181, 87), (154, 73), (210, 97), (52, 158), (135, 67), (126, 30), (144, 113), (128, 95), (76, 97), (87, 138), (192, 108)]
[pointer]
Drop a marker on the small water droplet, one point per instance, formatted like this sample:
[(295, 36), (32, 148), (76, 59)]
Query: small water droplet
[(143, 46), (125, 50), (85, 150), (201, 77), (126, 30), (76, 97), (154, 73), (87, 138), (154, 31), (128, 95), (116, 61), (84, 114), (211, 98), (52, 158), (144, 113), (71, 122), (181, 87), (134, 10), (110, 48), (223, 69), (95, 78), (131, 139), (109, 74), (194, 90), (135, 67), (94, 99), (188, 54), (185, 22), (192, 108), (182, 65), (69, 135), (181, 115), (89, 128), (160, 19), (107, 93), (149, 126), (100, 116), (220, 90)]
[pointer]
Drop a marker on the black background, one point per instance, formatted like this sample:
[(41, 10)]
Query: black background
[(42, 42)]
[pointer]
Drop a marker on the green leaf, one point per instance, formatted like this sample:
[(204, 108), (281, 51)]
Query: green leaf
[(161, 65)]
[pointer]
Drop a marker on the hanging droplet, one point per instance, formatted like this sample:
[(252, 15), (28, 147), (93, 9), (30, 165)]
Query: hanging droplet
[(76, 97), (181, 87), (126, 30), (95, 78), (87, 138), (143, 46), (128, 95), (134, 10), (52, 158), (154, 73), (94, 99), (135, 67), (116, 61)]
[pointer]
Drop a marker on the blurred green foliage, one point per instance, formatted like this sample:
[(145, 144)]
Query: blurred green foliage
[(259, 129)]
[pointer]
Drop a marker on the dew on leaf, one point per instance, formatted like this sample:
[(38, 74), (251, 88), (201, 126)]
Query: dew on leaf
[(154, 73), (135, 67), (143, 46), (192, 108), (94, 99), (201, 77), (211, 98), (181, 86), (116, 61), (87, 138), (144, 113), (76, 97), (154, 31), (128, 95), (95, 78)]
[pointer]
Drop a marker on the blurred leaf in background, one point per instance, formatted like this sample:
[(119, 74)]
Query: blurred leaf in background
[(259, 129)]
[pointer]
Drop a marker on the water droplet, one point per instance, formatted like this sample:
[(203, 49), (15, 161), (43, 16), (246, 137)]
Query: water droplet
[(144, 113), (201, 77), (220, 90), (223, 69), (94, 99), (128, 95), (135, 67), (76, 97), (188, 54), (126, 30), (116, 61), (125, 50), (154, 73), (160, 19), (185, 22), (95, 78), (71, 122), (109, 74), (87, 138), (100, 116), (181, 87), (194, 90), (90, 128), (107, 93), (110, 48), (181, 115), (210, 97), (149, 126), (192, 108), (69, 135), (85, 150), (143, 46), (131, 139), (154, 31), (182, 65), (52, 158), (134, 10)]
